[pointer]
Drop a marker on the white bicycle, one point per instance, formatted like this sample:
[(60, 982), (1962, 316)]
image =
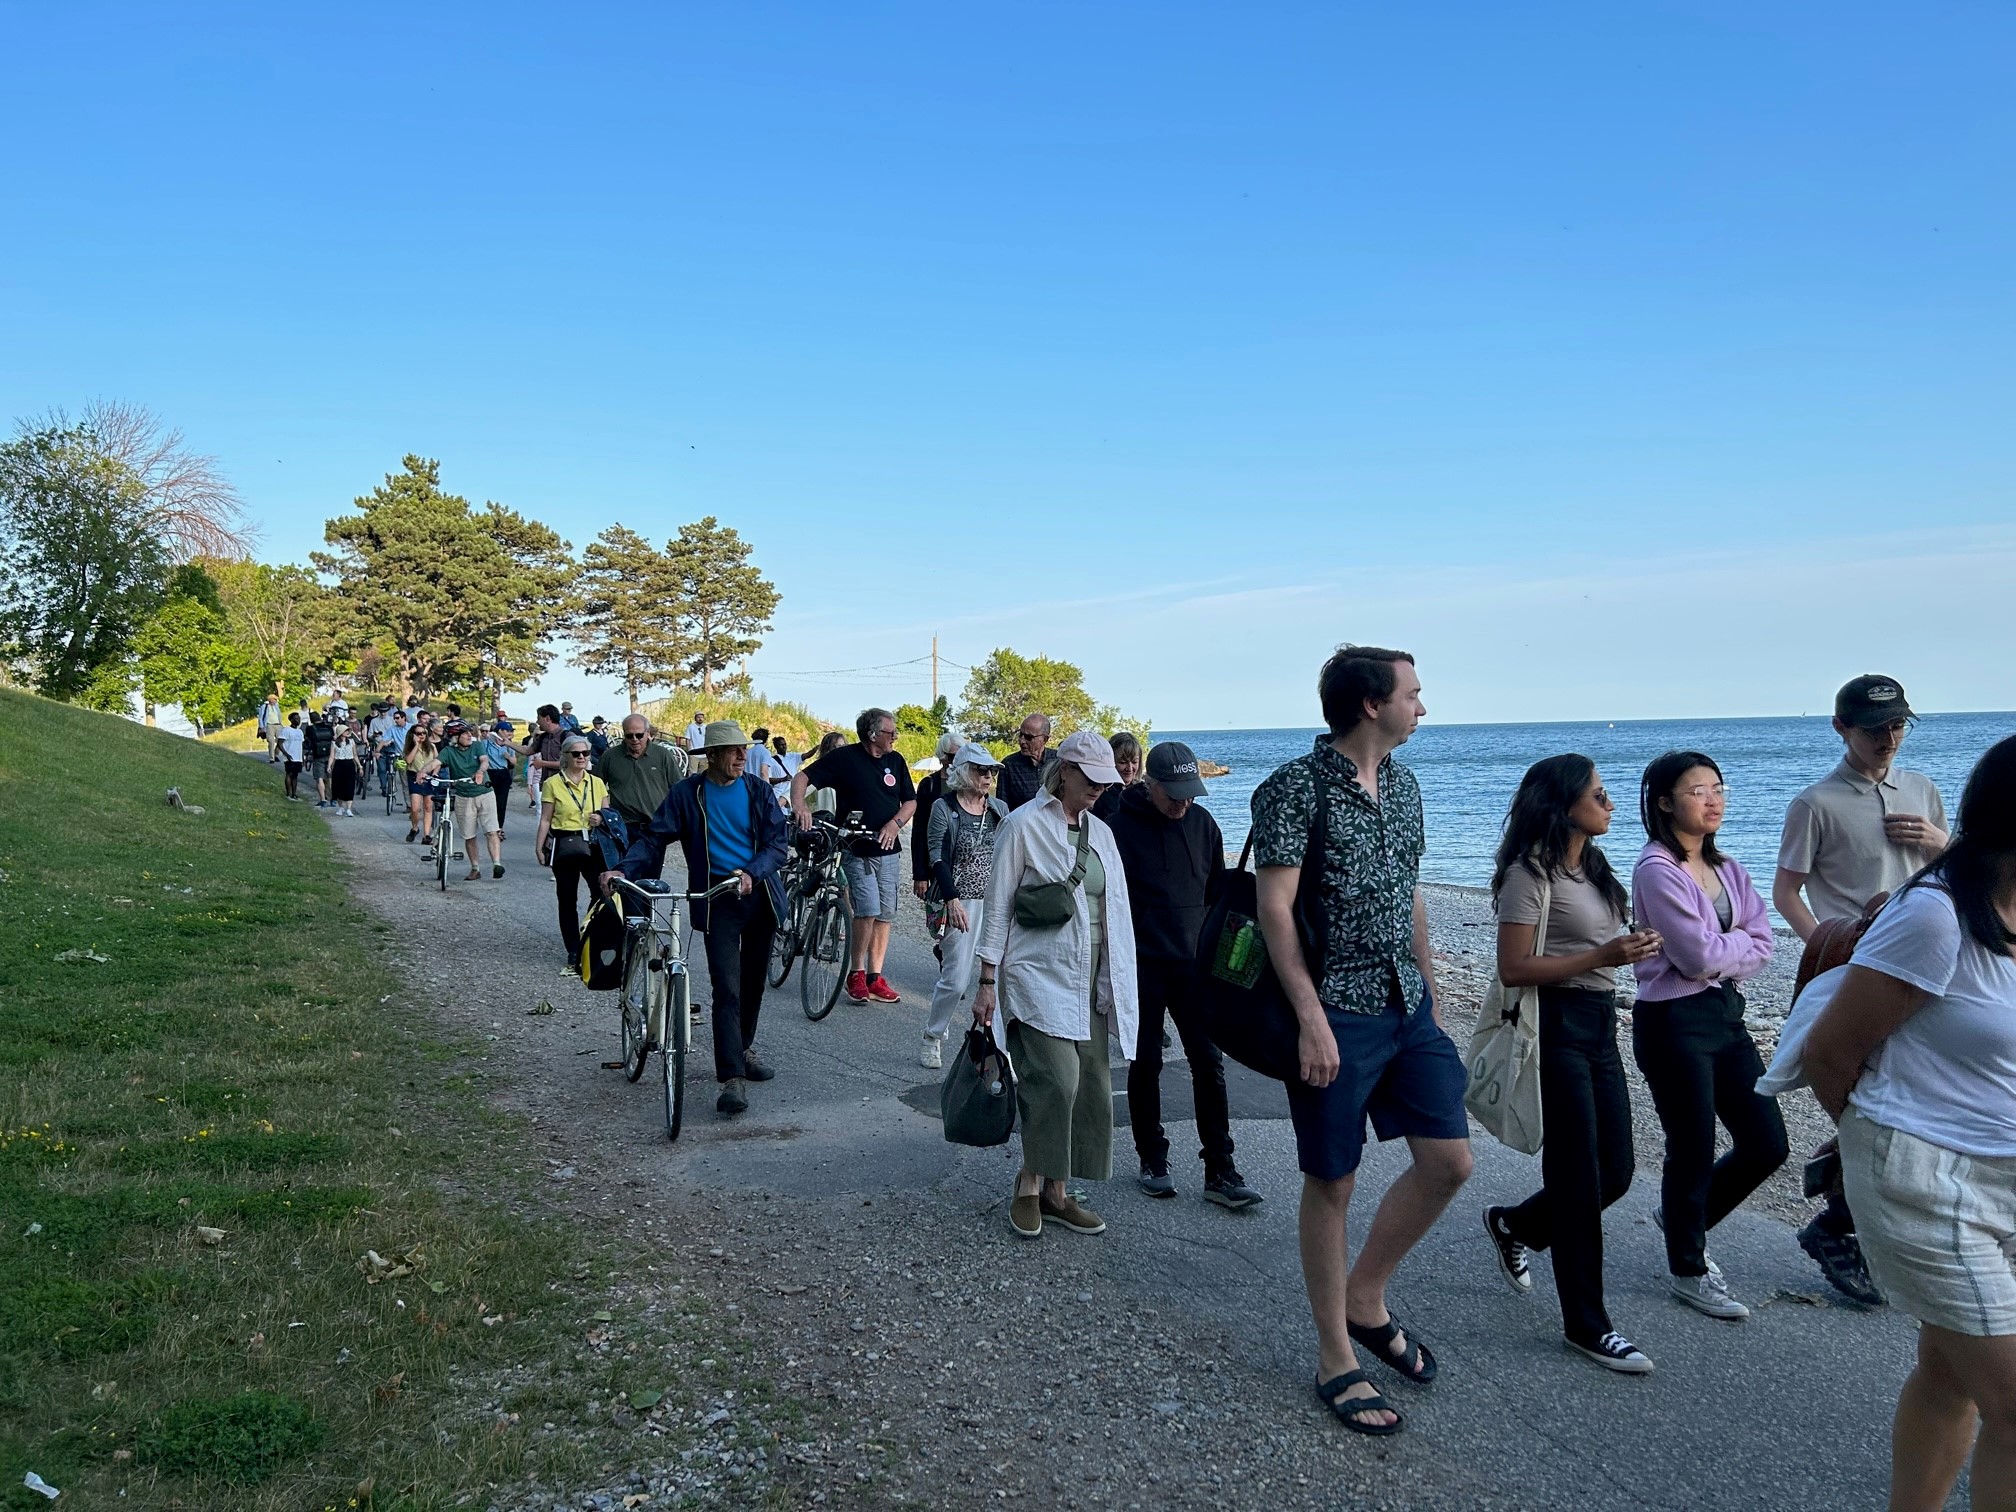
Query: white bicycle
[(655, 1000)]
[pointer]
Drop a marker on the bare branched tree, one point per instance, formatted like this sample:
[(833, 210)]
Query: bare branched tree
[(192, 507)]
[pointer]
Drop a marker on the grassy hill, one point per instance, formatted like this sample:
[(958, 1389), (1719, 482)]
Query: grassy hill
[(205, 1072), (799, 726)]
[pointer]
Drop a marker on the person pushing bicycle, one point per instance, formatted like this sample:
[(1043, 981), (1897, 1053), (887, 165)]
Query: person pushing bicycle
[(730, 827)]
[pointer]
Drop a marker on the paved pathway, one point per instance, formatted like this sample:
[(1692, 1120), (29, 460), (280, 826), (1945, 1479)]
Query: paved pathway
[(1789, 1410)]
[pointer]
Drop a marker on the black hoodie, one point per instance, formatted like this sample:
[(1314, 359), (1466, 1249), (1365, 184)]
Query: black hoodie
[(1175, 868)]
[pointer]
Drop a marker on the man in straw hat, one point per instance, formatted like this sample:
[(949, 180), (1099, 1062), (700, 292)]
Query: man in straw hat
[(730, 826)]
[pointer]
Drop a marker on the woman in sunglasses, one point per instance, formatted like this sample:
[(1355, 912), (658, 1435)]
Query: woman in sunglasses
[(1551, 873), (1687, 1032)]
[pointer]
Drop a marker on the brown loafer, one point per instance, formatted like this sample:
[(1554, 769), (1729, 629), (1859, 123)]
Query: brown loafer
[(1073, 1214), (1025, 1216)]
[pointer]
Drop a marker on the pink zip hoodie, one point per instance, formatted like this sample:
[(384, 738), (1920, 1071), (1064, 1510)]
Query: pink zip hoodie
[(1696, 950)]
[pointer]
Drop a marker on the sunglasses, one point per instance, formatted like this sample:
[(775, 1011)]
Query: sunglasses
[(636, 735)]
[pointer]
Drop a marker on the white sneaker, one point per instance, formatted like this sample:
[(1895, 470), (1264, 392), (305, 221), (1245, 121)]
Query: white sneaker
[(1708, 1294), (1659, 1222), (932, 1056)]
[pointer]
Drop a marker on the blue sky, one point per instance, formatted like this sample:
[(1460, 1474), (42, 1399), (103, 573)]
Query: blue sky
[(1620, 361)]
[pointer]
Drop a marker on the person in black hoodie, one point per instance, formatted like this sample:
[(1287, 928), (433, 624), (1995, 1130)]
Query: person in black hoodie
[(1174, 855)]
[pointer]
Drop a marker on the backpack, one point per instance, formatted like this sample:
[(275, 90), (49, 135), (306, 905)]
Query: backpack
[(1834, 942)]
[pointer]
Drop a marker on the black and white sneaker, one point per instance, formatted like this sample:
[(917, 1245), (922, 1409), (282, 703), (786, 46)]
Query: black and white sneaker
[(1614, 1352), (1511, 1253)]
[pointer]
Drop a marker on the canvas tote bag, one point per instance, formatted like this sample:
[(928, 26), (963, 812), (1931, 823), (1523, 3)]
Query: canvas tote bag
[(1504, 1059)]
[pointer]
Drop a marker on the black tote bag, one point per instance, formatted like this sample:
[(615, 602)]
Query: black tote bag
[(1246, 1012)]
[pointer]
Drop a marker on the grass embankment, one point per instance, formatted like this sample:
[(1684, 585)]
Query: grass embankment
[(214, 1101), (799, 726), (242, 736)]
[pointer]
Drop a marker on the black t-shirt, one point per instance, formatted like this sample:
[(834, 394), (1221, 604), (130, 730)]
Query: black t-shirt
[(877, 786)]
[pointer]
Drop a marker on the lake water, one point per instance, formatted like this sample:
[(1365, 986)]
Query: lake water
[(1468, 774)]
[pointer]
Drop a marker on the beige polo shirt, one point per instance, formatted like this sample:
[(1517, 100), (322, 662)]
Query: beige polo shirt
[(1834, 835)]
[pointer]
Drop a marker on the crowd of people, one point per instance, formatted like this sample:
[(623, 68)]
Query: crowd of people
[(1067, 886)]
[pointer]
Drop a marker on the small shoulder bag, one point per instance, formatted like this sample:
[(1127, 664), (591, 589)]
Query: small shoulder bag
[(1050, 905)]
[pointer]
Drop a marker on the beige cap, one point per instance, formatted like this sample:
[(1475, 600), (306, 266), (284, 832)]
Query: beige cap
[(1091, 753)]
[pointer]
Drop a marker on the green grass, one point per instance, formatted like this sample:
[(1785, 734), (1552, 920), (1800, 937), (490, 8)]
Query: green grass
[(799, 726), (201, 1136)]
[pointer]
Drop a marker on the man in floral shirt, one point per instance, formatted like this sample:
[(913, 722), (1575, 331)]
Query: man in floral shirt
[(1371, 1040)]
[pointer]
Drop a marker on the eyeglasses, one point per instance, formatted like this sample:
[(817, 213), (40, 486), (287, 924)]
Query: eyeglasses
[(888, 734), (1027, 735), (636, 734), (1894, 727), (1602, 796), (1700, 792)]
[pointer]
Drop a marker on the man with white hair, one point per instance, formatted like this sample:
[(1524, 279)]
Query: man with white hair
[(1022, 772)]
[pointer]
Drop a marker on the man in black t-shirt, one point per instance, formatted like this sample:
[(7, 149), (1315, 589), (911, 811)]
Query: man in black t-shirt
[(871, 779)]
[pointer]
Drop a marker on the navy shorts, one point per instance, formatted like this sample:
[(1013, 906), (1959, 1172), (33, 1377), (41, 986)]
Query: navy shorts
[(1401, 1070)]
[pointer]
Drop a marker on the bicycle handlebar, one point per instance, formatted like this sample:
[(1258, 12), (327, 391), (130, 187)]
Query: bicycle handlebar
[(730, 884)]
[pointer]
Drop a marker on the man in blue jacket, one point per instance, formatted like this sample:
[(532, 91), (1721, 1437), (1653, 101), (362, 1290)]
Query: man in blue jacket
[(730, 826)]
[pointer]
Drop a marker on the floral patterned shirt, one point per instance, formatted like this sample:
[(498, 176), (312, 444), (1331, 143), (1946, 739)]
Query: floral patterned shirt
[(1370, 869)]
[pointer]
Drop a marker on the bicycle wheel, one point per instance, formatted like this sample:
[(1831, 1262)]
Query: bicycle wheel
[(638, 989), (679, 1034), (825, 957), (784, 944), (444, 839)]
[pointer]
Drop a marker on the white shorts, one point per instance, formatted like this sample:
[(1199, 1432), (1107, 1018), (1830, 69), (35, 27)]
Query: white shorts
[(476, 816), (1938, 1228)]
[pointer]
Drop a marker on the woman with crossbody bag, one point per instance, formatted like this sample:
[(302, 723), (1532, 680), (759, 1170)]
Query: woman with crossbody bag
[(571, 800), (959, 843), (1551, 883)]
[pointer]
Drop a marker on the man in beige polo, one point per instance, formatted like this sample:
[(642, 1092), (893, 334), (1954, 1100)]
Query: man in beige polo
[(1861, 830)]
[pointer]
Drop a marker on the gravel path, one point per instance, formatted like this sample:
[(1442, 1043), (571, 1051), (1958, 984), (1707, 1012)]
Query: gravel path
[(831, 1297)]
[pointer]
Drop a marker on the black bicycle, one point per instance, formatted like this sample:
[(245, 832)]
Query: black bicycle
[(822, 915)]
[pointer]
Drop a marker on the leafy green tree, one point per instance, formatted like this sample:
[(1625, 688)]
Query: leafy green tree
[(628, 623), (80, 567), (186, 655), (281, 621), (457, 597), (1008, 687), (724, 603)]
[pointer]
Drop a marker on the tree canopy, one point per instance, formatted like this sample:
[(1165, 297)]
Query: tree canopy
[(724, 603), (1008, 687), (81, 567), (628, 622), (455, 597)]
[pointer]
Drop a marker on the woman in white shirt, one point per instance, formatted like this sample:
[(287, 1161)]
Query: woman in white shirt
[(1916, 1059), (1064, 987)]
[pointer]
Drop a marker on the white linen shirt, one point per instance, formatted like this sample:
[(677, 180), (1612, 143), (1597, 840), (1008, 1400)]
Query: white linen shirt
[(1041, 974)]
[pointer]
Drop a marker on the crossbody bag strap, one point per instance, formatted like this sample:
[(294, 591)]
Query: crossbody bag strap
[(1084, 851), (1309, 889)]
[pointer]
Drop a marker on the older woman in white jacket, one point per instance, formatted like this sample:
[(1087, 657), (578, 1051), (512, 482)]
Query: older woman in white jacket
[(1064, 988)]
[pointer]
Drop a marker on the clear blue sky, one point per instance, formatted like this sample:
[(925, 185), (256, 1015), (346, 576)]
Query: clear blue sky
[(1619, 360)]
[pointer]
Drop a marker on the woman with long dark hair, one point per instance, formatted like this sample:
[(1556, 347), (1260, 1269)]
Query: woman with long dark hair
[(1928, 1140), (1550, 870), (1687, 1031)]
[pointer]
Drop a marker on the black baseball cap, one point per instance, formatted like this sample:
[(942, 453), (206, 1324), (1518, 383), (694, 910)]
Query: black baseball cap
[(1871, 699), (1174, 765)]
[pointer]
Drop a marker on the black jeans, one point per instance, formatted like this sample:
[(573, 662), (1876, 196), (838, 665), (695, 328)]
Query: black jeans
[(739, 931), (569, 872), (1701, 1064), (1173, 985), (1586, 1162), (500, 784)]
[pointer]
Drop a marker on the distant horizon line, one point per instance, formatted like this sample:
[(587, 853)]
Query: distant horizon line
[(1515, 724)]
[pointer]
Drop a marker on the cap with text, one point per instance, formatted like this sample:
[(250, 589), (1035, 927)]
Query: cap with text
[(1174, 765), (1871, 700)]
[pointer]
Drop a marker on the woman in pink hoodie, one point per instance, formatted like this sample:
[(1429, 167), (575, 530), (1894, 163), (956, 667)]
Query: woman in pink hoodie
[(1687, 1031)]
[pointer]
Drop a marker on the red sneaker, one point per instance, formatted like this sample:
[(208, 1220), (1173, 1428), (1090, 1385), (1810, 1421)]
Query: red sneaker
[(857, 986), (880, 990)]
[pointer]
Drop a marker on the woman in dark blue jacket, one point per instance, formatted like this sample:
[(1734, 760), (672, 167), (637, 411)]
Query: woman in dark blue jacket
[(729, 824)]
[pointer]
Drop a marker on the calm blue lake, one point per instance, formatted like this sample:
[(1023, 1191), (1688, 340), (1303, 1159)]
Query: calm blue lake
[(1468, 774)]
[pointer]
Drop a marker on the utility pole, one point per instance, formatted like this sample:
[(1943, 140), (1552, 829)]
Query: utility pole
[(934, 671)]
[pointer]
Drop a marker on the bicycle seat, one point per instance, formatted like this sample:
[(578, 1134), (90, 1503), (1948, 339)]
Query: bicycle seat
[(657, 885)]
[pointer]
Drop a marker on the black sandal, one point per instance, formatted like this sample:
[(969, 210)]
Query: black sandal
[(1345, 1409), (1413, 1362)]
